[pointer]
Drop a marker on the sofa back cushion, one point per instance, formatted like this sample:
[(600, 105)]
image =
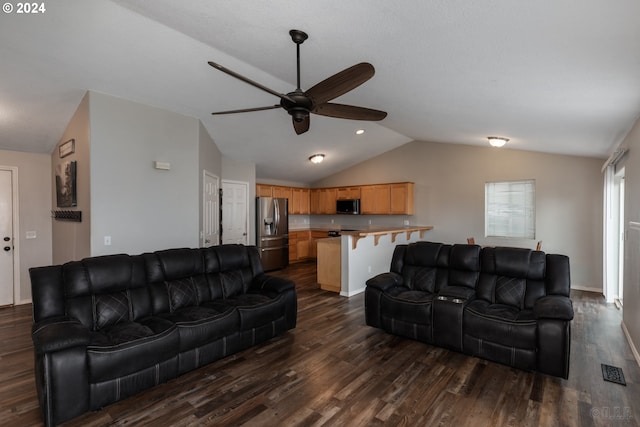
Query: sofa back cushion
[(230, 269), (464, 266), (105, 290), (425, 266), (177, 279), (512, 276)]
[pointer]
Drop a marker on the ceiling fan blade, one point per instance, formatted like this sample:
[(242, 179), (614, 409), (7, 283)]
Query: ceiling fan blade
[(351, 112), (303, 126), (341, 83), (246, 110), (251, 82)]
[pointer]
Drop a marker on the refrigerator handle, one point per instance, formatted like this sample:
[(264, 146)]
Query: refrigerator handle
[(276, 216)]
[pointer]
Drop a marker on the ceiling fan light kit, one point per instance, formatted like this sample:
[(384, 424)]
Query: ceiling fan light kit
[(300, 104), (497, 141)]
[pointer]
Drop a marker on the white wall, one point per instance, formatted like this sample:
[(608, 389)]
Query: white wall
[(142, 208), (34, 212), (449, 195)]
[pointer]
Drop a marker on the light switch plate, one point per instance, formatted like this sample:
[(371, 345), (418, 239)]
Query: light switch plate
[(30, 235)]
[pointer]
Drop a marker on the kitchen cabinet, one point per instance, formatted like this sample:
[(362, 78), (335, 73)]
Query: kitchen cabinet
[(299, 245), (347, 193), (263, 190), (375, 199), (327, 201), (283, 192), (299, 204), (329, 267), (401, 202), (293, 246), (314, 201)]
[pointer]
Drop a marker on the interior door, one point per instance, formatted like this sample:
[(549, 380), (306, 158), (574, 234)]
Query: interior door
[(235, 212), (6, 237), (211, 210)]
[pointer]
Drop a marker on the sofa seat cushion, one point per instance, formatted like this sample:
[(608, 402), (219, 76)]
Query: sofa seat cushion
[(198, 325), (411, 306), (255, 309), (500, 324), (128, 347)]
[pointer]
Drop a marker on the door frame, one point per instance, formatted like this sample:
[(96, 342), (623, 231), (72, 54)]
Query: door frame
[(248, 199), (15, 230)]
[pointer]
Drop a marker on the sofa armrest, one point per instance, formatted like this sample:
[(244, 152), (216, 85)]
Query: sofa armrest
[(59, 334), (385, 281), (267, 283), (553, 307), (457, 293)]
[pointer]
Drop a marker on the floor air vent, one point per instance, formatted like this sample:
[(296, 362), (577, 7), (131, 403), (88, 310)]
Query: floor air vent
[(612, 374)]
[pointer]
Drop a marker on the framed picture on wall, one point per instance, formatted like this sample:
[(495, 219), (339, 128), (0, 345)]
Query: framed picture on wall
[(66, 190), (67, 148)]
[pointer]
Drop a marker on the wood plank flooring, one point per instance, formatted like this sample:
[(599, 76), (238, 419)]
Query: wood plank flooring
[(333, 370)]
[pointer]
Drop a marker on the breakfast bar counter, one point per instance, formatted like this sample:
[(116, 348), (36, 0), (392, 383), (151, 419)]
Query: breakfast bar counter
[(378, 232)]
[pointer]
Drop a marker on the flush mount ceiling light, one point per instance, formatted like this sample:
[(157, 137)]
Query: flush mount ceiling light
[(359, 131), (497, 141), (316, 158)]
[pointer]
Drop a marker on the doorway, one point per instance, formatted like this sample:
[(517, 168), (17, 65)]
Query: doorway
[(9, 271), (235, 212), (619, 188)]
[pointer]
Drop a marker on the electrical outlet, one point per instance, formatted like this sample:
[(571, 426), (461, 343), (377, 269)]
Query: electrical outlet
[(369, 269), (406, 222), (107, 240)]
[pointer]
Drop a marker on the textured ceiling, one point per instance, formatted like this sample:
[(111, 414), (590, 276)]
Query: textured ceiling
[(560, 77)]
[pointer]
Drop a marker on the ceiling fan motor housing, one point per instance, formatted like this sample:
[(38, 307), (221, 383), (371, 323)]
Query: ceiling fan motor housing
[(300, 108)]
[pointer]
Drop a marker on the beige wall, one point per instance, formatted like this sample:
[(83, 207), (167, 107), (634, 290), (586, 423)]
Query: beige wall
[(449, 194), (34, 212), (72, 240)]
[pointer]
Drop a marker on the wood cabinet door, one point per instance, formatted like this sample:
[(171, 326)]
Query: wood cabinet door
[(375, 199), (263, 190), (328, 201), (293, 246), (305, 205), (314, 201), (283, 192), (343, 193), (299, 202), (402, 198)]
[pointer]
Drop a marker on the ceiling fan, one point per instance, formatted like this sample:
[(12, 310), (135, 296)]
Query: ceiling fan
[(299, 104)]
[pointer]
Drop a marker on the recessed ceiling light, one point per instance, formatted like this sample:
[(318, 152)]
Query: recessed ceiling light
[(497, 141), (359, 131), (316, 158)]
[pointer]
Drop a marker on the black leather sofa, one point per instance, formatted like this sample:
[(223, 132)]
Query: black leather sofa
[(508, 305), (111, 326)]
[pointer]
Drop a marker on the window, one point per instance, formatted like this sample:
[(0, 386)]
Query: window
[(510, 209)]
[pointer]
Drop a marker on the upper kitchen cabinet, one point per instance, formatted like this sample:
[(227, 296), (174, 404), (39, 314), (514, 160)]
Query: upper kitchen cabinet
[(343, 193), (263, 190), (375, 199), (327, 201), (282, 192), (300, 203), (402, 198)]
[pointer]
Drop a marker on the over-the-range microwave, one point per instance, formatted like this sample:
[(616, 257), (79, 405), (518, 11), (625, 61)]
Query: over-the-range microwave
[(348, 206)]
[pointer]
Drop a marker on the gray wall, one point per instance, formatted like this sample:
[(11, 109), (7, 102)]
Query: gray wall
[(449, 194), (631, 309), (210, 159), (72, 240), (34, 206), (142, 208)]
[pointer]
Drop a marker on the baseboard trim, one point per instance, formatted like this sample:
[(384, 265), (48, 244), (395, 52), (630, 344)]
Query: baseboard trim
[(352, 293), (636, 355), (587, 289)]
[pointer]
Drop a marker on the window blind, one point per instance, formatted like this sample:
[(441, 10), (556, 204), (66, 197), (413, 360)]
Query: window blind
[(510, 209)]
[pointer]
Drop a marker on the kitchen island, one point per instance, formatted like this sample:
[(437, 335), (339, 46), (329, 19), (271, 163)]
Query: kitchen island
[(364, 253)]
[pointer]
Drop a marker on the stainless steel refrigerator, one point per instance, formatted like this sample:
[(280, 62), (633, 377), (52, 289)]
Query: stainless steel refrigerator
[(272, 232)]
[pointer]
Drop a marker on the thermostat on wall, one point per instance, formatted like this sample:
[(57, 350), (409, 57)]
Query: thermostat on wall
[(162, 165)]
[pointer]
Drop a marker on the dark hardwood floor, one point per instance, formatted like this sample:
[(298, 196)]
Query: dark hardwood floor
[(333, 370)]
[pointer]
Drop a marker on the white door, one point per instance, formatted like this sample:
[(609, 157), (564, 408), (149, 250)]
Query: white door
[(211, 210), (6, 237), (235, 212)]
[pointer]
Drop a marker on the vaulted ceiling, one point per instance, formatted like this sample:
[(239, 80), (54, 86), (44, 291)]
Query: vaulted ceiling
[(559, 77)]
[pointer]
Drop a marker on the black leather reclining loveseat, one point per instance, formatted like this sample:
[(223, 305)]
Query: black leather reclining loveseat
[(110, 326), (508, 305)]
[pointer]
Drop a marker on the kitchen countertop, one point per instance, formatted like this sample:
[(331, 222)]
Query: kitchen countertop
[(376, 231)]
